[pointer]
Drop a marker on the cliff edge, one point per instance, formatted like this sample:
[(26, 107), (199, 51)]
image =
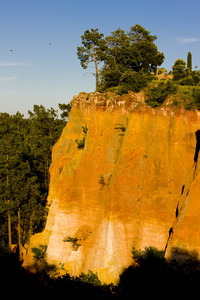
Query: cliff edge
[(123, 174)]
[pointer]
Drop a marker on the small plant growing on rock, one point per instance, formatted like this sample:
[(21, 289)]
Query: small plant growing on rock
[(102, 181), (39, 253), (120, 127), (81, 143), (85, 129), (74, 241), (91, 278)]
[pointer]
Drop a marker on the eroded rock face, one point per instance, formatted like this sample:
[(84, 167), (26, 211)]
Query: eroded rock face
[(124, 188)]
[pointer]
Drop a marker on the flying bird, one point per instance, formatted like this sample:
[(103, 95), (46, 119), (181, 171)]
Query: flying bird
[(11, 50), (50, 44)]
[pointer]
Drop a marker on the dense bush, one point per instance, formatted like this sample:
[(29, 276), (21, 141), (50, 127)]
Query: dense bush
[(110, 79), (154, 276), (186, 81), (91, 278), (196, 98), (191, 98), (159, 92), (133, 81)]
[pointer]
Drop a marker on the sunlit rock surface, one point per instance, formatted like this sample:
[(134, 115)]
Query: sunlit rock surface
[(135, 183)]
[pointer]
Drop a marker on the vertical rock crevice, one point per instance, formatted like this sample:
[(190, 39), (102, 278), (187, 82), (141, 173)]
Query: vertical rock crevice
[(184, 198)]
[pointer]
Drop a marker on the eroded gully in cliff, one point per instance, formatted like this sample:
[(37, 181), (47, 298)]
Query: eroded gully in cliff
[(184, 198)]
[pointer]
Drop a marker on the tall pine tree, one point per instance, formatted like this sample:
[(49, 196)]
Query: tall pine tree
[(91, 51)]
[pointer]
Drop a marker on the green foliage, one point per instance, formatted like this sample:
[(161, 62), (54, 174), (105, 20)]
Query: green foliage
[(159, 92), (110, 78), (148, 254), (133, 81), (179, 69), (81, 143), (91, 41), (195, 76), (65, 110), (39, 253), (128, 58), (25, 156), (183, 75), (175, 102), (118, 90), (186, 81), (92, 50), (120, 127), (91, 278), (196, 98), (85, 129), (152, 273), (189, 61), (189, 96)]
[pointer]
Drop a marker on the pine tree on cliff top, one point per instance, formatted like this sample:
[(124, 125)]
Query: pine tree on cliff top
[(123, 55), (91, 50)]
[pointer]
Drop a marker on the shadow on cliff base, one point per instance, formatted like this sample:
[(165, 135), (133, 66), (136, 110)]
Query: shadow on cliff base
[(197, 133), (16, 281), (154, 275), (151, 275)]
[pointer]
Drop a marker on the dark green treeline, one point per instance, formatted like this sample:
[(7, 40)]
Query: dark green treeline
[(25, 157)]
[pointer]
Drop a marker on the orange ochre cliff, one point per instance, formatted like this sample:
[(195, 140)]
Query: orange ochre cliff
[(134, 182)]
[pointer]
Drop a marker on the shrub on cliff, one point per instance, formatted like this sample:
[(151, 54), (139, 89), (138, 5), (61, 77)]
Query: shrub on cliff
[(159, 92), (196, 98), (91, 278), (81, 143), (190, 97), (150, 255), (39, 253), (133, 81), (186, 81), (121, 83)]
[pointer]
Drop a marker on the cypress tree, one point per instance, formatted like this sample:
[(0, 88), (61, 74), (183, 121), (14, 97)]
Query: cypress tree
[(189, 61)]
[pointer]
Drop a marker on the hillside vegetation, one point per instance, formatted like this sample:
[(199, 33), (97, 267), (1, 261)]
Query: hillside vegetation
[(25, 156)]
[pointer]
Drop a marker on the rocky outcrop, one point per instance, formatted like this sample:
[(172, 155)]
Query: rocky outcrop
[(132, 182)]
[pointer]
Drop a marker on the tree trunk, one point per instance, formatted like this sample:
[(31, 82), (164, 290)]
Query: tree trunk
[(19, 234), (96, 67), (9, 228), (9, 218), (31, 226)]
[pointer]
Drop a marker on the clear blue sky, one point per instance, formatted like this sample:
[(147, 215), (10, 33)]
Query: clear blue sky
[(37, 73)]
